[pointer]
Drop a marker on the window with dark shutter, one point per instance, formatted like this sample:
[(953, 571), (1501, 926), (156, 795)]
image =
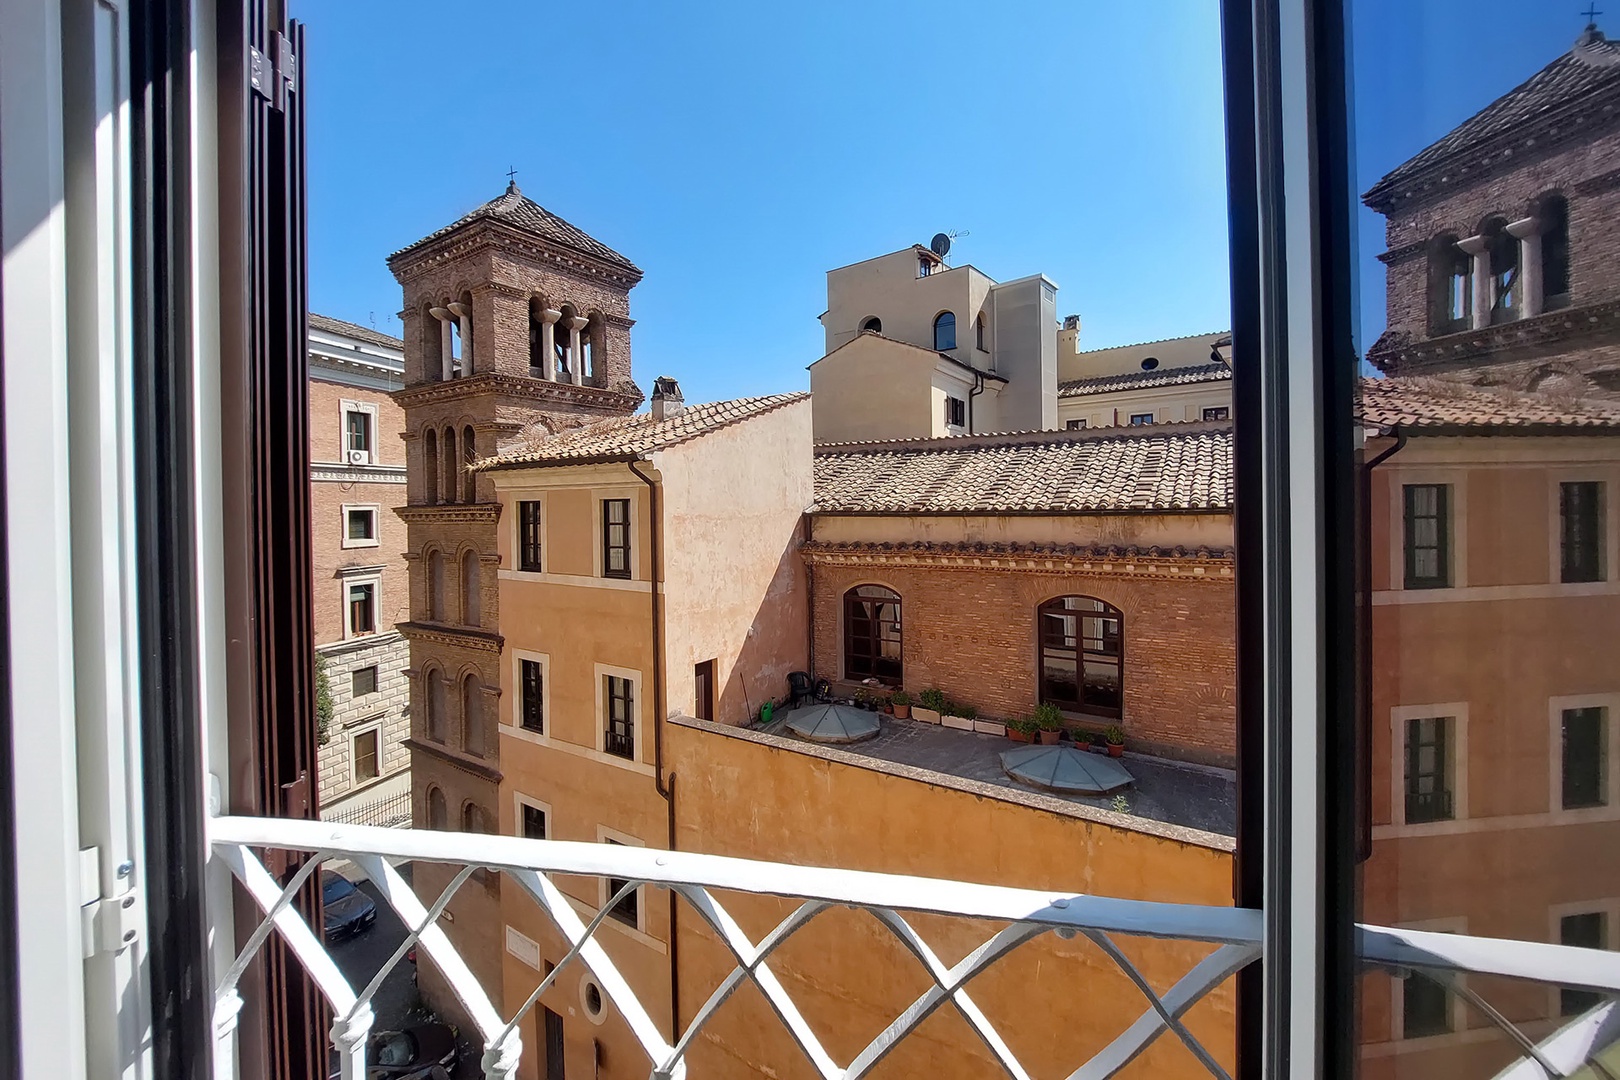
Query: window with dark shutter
[(1428, 770), (1580, 508), (1428, 536), (1584, 750), (1425, 1007), (532, 696), (529, 535), (534, 823)]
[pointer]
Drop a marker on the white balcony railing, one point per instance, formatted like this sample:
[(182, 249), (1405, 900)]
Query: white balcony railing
[(1012, 917)]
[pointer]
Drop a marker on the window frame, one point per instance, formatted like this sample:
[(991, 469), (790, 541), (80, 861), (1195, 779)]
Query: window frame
[(1144, 419), (602, 673), (955, 412), (1075, 424), (1225, 412), (939, 323), (358, 577), (1456, 1006), (606, 888), (522, 802), (1446, 528), (1109, 613), (529, 536), (528, 702), (372, 413), (1444, 776), (1609, 809), (978, 333), (1594, 568), (376, 681), (372, 510), (606, 546), (372, 728), (846, 638), (1457, 713)]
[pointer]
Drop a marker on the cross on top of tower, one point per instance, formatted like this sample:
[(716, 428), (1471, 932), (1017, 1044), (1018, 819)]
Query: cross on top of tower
[(1591, 14)]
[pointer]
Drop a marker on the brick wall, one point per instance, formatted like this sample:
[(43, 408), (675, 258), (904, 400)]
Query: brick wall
[(971, 632), (388, 707)]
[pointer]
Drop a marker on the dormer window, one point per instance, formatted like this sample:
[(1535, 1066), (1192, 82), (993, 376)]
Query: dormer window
[(944, 331), (925, 266)]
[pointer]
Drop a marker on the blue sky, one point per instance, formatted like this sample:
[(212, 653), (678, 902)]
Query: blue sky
[(737, 151)]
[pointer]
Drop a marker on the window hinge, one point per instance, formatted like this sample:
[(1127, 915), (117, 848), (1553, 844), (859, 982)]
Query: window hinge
[(273, 76), (106, 923)]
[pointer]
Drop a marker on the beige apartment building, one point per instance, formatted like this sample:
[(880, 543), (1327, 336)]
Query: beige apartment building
[(918, 349), (1154, 382), (357, 479)]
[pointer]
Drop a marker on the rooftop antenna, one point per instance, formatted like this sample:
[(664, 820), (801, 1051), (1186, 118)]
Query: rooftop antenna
[(373, 317), (940, 245)]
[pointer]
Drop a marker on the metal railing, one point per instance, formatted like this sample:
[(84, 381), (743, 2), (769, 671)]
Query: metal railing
[(391, 811), (1012, 917)]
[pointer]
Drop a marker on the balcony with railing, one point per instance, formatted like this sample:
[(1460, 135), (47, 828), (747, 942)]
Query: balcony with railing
[(1003, 919)]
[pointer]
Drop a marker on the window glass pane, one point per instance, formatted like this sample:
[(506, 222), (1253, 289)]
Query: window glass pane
[(365, 756), (1484, 167), (363, 681), (534, 822), (531, 703)]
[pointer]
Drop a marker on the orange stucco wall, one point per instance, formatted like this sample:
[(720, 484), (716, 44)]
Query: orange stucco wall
[(754, 796)]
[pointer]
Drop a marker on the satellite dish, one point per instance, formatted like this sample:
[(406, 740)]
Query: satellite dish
[(940, 245)]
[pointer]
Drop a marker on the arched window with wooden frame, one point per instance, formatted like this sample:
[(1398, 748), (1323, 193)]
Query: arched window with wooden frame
[(945, 331), (872, 636), (1082, 655)]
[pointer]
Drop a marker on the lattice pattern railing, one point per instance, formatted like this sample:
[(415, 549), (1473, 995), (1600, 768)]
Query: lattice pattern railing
[(528, 864)]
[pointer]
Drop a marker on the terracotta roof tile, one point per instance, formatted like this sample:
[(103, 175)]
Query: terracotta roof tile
[(627, 437), (1109, 470), (518, 210), (1443, 406), (1143, 380), (348, 329)]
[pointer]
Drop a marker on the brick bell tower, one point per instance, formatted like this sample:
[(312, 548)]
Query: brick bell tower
[(513, 317)]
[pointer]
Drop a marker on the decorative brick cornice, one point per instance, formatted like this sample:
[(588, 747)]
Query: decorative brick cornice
[(1602, 182), (487, 513), (494, 235), (1401, 354), (336, 471), (503, 289), (472, 766), (1212, 564), (513, 386), (1401, 254), (460, 636)]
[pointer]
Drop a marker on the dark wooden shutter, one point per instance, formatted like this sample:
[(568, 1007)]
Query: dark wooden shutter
[(264, 412)]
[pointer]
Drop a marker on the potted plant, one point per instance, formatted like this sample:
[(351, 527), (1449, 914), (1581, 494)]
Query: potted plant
[(1021, 729), (1115, 735), (930, 704), (900, 701), (958, 716), (1049, 722)]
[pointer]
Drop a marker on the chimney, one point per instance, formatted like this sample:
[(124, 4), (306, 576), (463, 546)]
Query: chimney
[(1071, 322), (666, 398)]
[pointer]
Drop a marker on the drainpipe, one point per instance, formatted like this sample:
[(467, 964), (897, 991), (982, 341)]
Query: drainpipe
[(810, 604), (1364, 643), (978, 388), (660, 707)]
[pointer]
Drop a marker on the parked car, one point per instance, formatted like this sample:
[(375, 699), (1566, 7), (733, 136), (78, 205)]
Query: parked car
[(416, 1053), (345, 909)]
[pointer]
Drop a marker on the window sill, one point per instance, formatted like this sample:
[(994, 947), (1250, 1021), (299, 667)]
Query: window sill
[(590, 753)]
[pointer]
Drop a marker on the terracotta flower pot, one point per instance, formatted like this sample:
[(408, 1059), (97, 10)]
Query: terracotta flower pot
[(1050, 738), (902, 712), (1019, 736), (1116, 749)]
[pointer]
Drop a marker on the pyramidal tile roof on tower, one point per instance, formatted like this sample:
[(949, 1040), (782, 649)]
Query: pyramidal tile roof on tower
[(624, 438), (1587, 74), (1440, 406), (517, 210)]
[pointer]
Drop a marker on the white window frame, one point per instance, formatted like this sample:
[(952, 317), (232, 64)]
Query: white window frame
[(636, 711), (1456, 924), (519, 801), (598, 527), (375, 510), (373, 412), (367, 575), (1457, 713), (1610, 703), (603, 895), (371, 724), (1130, 418), (375, 666), (515, 535), (514, 723)]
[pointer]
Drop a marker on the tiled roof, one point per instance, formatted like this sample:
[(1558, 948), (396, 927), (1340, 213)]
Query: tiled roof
[(1222, 337), (1440, 406), (1109, 470), (1590, 69), (627, 437), (1143, 380), (330, 325), (521, 212)]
